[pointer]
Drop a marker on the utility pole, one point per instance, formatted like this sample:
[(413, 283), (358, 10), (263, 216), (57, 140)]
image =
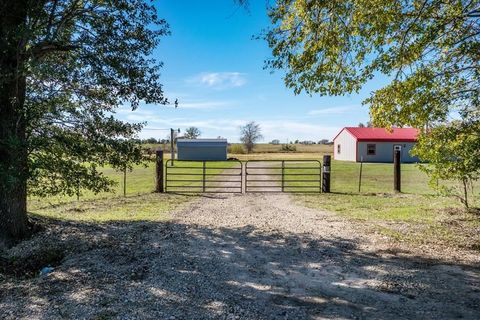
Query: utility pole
[(172, 145)]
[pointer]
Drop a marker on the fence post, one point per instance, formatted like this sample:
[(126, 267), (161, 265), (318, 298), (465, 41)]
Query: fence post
[(397, 178), (204, 174), (326, 174), (283, 175), (159, 171), (125, 181), (78, 189), (360, 176)]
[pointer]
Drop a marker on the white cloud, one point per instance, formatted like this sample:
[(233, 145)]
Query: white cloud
[(292, 130), (334, 110), (204, 104), (219, 80), (271, 129), (220, 124)]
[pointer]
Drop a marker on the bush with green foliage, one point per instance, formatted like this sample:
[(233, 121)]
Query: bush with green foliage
[(453, 153)]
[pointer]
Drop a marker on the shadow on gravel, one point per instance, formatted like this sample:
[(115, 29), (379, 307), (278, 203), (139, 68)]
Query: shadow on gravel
[(160, 270)]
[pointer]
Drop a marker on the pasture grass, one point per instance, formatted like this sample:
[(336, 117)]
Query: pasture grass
[(145, 207), (140, 180), (416, 218), (262, 148), (418, 214), (140, 204)]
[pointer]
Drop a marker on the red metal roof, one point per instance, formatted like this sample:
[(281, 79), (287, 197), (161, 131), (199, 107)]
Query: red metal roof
[(382, 134)]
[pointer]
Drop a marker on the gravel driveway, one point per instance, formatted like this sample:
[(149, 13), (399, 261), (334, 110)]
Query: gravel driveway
[(251, 256)]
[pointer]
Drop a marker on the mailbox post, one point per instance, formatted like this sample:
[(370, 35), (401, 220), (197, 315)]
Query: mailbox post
[(326, 174)]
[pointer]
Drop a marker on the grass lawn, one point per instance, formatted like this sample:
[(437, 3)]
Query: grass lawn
[(418, 214), (145, 207), (140, 204), (140, 180), (422, 219)]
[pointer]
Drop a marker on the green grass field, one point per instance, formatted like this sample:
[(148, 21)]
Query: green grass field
[(140, 203), (418, 214)]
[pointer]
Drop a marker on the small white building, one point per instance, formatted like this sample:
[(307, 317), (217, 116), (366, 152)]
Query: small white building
[(374, 144)]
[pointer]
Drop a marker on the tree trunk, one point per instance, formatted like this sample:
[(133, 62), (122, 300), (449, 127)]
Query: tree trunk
[(465, 192), (13, 145)]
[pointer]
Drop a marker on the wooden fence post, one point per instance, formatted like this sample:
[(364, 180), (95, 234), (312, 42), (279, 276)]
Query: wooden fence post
[(397, 177), (125, 181), (159, 171), (204, 176), (326, 174), (360, 176)]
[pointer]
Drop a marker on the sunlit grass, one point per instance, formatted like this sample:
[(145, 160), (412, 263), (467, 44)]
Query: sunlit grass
[(140, 204), (147, 207), (417, 218)]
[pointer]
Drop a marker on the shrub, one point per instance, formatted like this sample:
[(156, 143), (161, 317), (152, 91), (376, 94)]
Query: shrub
[(236, 149), (289, 148)]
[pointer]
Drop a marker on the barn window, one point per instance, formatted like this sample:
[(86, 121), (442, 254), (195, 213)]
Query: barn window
[(371, 149), (338, 149)]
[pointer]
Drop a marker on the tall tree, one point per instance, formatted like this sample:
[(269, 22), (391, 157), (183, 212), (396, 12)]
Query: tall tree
[(192, 133), (65, 67), (250, 134), (429, 49)]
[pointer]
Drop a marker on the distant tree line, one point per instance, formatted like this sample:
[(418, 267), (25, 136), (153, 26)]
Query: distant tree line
[(306, 142)]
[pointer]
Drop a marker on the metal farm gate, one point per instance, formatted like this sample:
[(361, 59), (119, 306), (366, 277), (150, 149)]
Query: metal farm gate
[(253, 176), (294, 176), (204, 176)]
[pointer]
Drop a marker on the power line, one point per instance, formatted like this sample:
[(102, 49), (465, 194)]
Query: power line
[(158, 129)]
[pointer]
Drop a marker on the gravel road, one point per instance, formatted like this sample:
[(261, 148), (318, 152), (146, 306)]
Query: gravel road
[(253, 256)]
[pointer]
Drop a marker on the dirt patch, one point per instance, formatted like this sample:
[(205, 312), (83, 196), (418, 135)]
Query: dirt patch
[(30, 265), (240, 257)]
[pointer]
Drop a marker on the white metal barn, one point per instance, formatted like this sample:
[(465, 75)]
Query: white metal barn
[(374, 144)]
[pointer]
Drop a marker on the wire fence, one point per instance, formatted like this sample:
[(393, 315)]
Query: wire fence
[(345, 178)]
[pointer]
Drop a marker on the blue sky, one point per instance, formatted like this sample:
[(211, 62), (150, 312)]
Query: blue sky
[(215, 69)]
